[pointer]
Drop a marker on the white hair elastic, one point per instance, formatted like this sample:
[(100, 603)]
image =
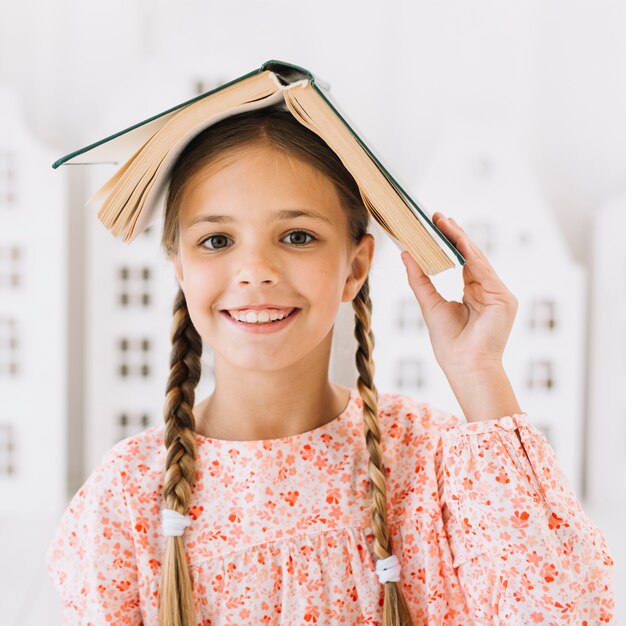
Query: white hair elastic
[(173, 523), (388, 569)]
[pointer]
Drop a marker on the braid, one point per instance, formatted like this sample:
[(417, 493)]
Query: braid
[(176, 597), (395, 609)]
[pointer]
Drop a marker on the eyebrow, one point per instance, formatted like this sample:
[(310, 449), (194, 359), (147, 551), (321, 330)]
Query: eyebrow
[(281, 214)]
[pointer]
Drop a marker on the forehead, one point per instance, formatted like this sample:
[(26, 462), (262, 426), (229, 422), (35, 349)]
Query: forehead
[(255, 180)]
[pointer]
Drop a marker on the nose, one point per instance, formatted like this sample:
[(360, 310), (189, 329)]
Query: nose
[(256, 265)]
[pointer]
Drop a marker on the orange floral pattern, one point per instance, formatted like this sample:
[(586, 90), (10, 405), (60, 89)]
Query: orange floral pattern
[(486, 527)]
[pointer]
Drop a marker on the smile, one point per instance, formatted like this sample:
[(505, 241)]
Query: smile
[(267, 327)]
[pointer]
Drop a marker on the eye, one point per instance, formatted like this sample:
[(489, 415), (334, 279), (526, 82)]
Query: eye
[(221, 238), (218, 237), (304, 232)]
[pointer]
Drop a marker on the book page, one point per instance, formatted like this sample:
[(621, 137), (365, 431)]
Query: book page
[(149, 215)]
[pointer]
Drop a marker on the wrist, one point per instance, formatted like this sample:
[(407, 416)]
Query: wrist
[(484, 393)]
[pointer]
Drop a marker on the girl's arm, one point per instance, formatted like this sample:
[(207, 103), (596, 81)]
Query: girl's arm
[(523, 549), (91, 559)]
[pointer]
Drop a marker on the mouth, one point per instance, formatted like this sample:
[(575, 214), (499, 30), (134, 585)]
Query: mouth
[(266, 315), (262, 327)]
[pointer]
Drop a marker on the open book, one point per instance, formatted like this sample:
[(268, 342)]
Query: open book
[(129, 199)]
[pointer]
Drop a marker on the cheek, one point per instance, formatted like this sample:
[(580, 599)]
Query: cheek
[(324, 282), (201, 287)]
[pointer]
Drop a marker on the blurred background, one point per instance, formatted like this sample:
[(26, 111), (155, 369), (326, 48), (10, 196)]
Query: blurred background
[(508, 116)]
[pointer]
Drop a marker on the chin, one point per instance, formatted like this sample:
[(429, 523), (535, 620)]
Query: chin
[(260, 360)]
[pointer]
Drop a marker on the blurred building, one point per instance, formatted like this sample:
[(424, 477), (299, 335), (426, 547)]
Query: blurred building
[(33, 321), (606, 433), (480, 176)]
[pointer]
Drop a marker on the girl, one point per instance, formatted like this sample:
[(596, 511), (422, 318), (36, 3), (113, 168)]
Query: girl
[(283, 498)]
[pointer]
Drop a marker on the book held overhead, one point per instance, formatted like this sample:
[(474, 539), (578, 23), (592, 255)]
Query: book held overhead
[(128, 201)]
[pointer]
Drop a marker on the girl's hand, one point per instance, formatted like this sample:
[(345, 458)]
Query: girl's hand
[(472, 334)]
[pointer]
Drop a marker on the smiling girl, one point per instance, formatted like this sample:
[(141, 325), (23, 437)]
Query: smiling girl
[(284, 498)]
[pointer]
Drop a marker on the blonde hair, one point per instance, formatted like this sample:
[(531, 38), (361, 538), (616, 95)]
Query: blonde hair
[(276, 128)]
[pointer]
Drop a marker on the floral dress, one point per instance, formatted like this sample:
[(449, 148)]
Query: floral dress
[(485, 525)]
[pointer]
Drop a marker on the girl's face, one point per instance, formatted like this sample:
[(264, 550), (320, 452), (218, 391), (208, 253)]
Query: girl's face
[(240, 245)]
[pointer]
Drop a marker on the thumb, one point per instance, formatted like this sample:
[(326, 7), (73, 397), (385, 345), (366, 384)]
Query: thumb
[(421, 285)]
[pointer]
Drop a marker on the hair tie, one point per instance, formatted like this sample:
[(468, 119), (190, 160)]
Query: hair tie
[(388, 569), (173, 522)]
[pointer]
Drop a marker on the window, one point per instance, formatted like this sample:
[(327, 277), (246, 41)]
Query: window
[(540, 375), (542, 314), (409, 315), (7, 450), (409, 373), (8, 347), (131, 423), (10, 266), (7, 179), (134, 357), (135, 285)]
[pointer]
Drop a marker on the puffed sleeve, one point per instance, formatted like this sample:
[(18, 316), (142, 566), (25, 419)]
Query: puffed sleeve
[(91, 559), (523, 549)]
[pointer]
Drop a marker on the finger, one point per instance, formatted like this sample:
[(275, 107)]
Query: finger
[(421, 285), (457, 236), (477, 263)]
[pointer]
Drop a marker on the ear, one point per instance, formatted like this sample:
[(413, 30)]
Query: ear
[(361, 262)]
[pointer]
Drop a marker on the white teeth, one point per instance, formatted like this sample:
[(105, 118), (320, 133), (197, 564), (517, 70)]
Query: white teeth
[(257, 317)]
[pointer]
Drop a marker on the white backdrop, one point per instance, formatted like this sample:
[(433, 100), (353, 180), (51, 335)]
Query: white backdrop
[(405, 71)]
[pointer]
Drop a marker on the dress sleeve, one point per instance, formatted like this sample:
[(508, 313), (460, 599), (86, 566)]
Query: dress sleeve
[(523, 549), (91, 559)]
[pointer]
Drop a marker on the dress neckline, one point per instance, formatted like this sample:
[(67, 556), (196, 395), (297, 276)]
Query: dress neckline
[(308, 434)]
